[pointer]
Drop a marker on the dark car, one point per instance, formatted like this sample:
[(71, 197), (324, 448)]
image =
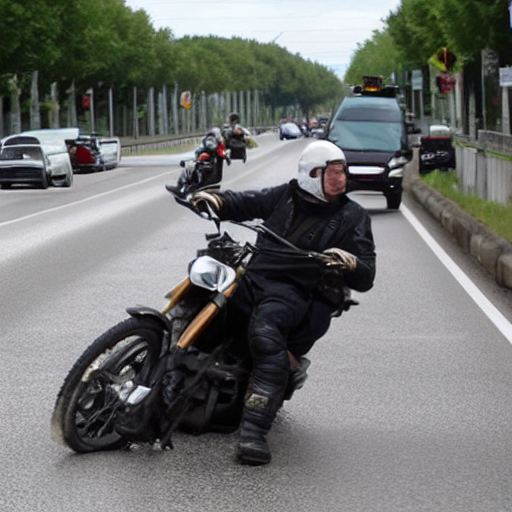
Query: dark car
[(370, 129), (318, 125), (289, 131), (436, 149)]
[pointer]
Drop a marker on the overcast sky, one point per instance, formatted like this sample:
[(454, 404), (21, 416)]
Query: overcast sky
[(325, 31)]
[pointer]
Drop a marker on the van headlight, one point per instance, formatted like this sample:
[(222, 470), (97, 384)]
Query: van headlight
[(396, 166), (397, 161), (207, 272)]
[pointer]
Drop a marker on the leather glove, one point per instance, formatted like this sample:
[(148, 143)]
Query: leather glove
[(200, 201), (346, 259)]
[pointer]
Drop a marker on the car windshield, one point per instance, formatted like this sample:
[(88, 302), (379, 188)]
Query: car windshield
[(366, 135), (21, 153)]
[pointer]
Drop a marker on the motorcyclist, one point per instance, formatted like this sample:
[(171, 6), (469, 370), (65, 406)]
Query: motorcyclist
[(291, 300), (235, 136), (206, 168), (213, 143)]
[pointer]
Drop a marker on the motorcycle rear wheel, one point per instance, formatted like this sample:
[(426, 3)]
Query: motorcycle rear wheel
[(90, 399)]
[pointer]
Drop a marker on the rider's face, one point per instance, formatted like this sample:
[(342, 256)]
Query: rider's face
[(335, 181)]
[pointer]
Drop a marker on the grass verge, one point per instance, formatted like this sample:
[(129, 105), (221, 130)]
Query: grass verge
[(496, 216)]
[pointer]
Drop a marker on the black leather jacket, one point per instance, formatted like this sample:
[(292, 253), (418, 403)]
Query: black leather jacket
[(310, 224)]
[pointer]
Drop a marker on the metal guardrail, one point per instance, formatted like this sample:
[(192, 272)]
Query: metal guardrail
[(487, 140), (145, 144), (130, 146), (495, 141)]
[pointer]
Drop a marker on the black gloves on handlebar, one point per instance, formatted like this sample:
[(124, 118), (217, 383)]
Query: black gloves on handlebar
[(343, 258), (205, 203)]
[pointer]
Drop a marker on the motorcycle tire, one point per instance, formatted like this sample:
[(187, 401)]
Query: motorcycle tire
[(89, 401)]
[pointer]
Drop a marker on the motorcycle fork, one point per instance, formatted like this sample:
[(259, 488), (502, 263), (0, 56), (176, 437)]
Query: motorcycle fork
[(204, 318), (176, 294)]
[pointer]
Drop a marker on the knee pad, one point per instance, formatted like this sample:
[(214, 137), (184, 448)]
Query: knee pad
[(266, 340)]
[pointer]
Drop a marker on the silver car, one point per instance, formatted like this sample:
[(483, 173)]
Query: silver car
[(35, 158)]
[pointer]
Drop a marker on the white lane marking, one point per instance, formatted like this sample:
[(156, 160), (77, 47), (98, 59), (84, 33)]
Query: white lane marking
[(503, 325), (81, 201)]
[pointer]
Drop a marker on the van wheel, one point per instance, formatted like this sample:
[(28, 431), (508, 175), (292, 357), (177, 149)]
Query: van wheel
[(394, 199)]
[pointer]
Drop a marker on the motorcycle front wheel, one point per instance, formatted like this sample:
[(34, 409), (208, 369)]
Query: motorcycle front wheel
[(91, 398)]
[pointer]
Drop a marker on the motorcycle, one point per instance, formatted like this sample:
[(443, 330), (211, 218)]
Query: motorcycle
[(184, 368), (205, 169), (236, 142)]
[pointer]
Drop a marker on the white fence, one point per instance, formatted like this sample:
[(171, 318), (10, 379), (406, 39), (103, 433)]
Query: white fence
[(485, 170)]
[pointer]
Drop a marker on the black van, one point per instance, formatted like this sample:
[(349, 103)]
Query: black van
[(371, 131)]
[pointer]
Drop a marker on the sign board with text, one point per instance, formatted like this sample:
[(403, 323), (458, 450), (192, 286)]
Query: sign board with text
[(417, 80), (506, 77)]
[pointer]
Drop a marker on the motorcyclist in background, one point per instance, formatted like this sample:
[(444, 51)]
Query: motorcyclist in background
[(235, 136), (214, 144), (205, 170), (291, 300)]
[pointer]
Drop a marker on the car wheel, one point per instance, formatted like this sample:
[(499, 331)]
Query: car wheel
[(44, 181), (68, 181), (394, 199)]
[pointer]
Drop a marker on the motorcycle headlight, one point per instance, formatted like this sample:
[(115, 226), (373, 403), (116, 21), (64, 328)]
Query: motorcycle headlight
[(209, 273)]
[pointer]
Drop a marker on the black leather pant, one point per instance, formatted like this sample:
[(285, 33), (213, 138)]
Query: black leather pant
[(281, 320)]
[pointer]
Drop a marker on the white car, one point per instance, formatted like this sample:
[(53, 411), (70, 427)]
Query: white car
[(39, 158)]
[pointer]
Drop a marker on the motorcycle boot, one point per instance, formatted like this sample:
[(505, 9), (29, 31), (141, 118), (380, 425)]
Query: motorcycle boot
[(270, 367), (267, 387), (257, 420)]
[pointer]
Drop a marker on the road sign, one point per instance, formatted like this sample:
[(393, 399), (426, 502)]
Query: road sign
[(506, 77), (417, 80)]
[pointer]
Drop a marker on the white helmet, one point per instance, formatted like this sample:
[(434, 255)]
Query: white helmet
[(317, 154)]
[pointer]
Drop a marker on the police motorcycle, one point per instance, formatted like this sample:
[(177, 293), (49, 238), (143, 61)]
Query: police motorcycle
[(185, 367)]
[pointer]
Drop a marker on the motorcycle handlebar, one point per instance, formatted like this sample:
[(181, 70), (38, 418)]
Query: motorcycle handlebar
[(259, 228)]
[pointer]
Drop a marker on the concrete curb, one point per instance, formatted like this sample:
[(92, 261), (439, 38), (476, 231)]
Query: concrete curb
[(491, 251)]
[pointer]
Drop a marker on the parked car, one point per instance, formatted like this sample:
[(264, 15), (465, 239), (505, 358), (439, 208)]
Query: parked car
[(37, 158), (289, 131), (91, 152), (436, 149), (369, 127)]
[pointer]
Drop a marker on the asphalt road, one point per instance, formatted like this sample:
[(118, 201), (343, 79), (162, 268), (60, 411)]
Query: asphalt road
[(408, 406)]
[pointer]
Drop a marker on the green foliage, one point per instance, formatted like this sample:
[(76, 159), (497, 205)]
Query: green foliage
[(29, 33), (104, 42), (417, 29), (467, 27), (377, 56), (494, 215)]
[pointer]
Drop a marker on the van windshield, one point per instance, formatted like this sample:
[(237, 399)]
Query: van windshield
[(366, 135)]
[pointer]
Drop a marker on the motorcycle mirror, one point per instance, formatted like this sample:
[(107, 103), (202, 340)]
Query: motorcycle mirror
[(182, 163)]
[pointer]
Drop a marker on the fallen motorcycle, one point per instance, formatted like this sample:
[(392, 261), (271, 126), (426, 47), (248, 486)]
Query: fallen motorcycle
[(185, 367)]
